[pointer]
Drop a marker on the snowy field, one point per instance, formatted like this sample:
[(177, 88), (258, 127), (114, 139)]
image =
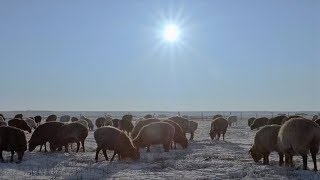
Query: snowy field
[(203, 159)]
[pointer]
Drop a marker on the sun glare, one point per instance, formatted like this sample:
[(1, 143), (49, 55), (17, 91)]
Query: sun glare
[(171, 33)]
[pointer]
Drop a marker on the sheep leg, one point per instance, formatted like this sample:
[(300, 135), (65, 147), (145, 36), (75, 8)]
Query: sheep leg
[(78, 146), (66, 147), (97, 152), (218, 136), (20, 155), (40, 147), (45, 147), (314, 151), (280, 159), (192, 135), (1, 157), (105, 154), (148, 149), (223, 135), (175, 146), (82, 143), (12, 153), (166, 147), (305, 158)]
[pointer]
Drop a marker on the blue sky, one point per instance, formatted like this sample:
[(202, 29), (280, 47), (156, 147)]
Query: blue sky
[(107, 55)]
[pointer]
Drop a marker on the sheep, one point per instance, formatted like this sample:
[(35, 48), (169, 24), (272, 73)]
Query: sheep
[(140, 125), (276, 120), (18, 116), (83, 122), (51, 118), (90, 124), (315, 117), (232, 119), (1, 119), (125, 124), (14, 140), (44, 133), (65, 118), (265, 142), (38, 119), (218, 126), (148, 116), (259, 122), (192, 128), (101, 121), (179, 137), (74, 119), (31, 123), (290, 117), (317, 121), (115, 122), (298, 136), (3, 123), (183, 122), (69, 133), (216, 116), (111, 138), (21, 124), (155, 133), (250, 121), (1, 115)]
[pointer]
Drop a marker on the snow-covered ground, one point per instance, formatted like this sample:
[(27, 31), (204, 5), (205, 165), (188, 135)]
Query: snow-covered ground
[(203, 159)]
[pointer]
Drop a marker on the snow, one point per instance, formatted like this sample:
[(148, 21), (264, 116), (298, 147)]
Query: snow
[(203, 159)]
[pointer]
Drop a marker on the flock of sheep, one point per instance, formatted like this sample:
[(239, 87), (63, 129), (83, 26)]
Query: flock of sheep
[(289, 136)]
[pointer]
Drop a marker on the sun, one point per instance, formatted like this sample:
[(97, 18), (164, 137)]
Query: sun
[(171, 33)]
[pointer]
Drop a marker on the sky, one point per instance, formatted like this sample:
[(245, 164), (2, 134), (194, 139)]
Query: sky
[(110, 55)]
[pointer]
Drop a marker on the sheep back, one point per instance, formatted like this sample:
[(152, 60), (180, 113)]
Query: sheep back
[(276, 120), (183, 122), (259, 122), (218, 126), (65, 118), (250, 121), (18, 123), (140, 125), (51, 118), (179, 136)]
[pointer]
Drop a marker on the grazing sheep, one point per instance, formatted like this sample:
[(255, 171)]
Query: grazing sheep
[(140, 125), (315, 117), (265, 142), (111, 138), (250, 121), (148, 116), (276, 120), (65, 118), (1, 115), (317, 121), (232, 120), (44, 133), (115, 122), (3, 123), (83, 122), (69, 133), (183, 122), (125, 124), (216, 116), (101, 121), (218, 126), (38, 119), (74, 119), (90, 124), (51, 118), (259, 122), (179, 137), (192, 128), (21, 124), (290, 117), (31, 123), (14, 140), (18, 116), (155, 133), (298, 136)]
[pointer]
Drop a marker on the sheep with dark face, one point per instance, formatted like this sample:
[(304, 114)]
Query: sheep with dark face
[(299, 136), (74, 119), (18, 116), (18, 123), (44, 133), (51, 118), (125, 124), (276, 120), (14, 140), (183, 123), (250, 121), (155, 133), (218, 126), (259, 122), (265, 142), (111, 138), (65, 118), (192, 128), (115, 122), (140, 124), (179, 136), (69, 133), (38, 119)]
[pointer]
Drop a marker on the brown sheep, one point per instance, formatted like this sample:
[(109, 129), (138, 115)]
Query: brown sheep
[(218, 126), (90, 124), (290, 117), (216, 116), (115, 123), (1, 119), (51, 118), (259, 122), (69, 133), (74, 119), (111, 138), (44, 133), (179, 137), (183, 122), (1, 115), (232, 119), (192, 128), (101, 121), (250, 121), (14, 140), (18, 116), (276, 120), (31, 123), (155, 133), (125, 124), (21, 124), (65, 118), (148, 116), (140, 125), (299, 136), (37, 119), (265, 142), (3, 123)]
